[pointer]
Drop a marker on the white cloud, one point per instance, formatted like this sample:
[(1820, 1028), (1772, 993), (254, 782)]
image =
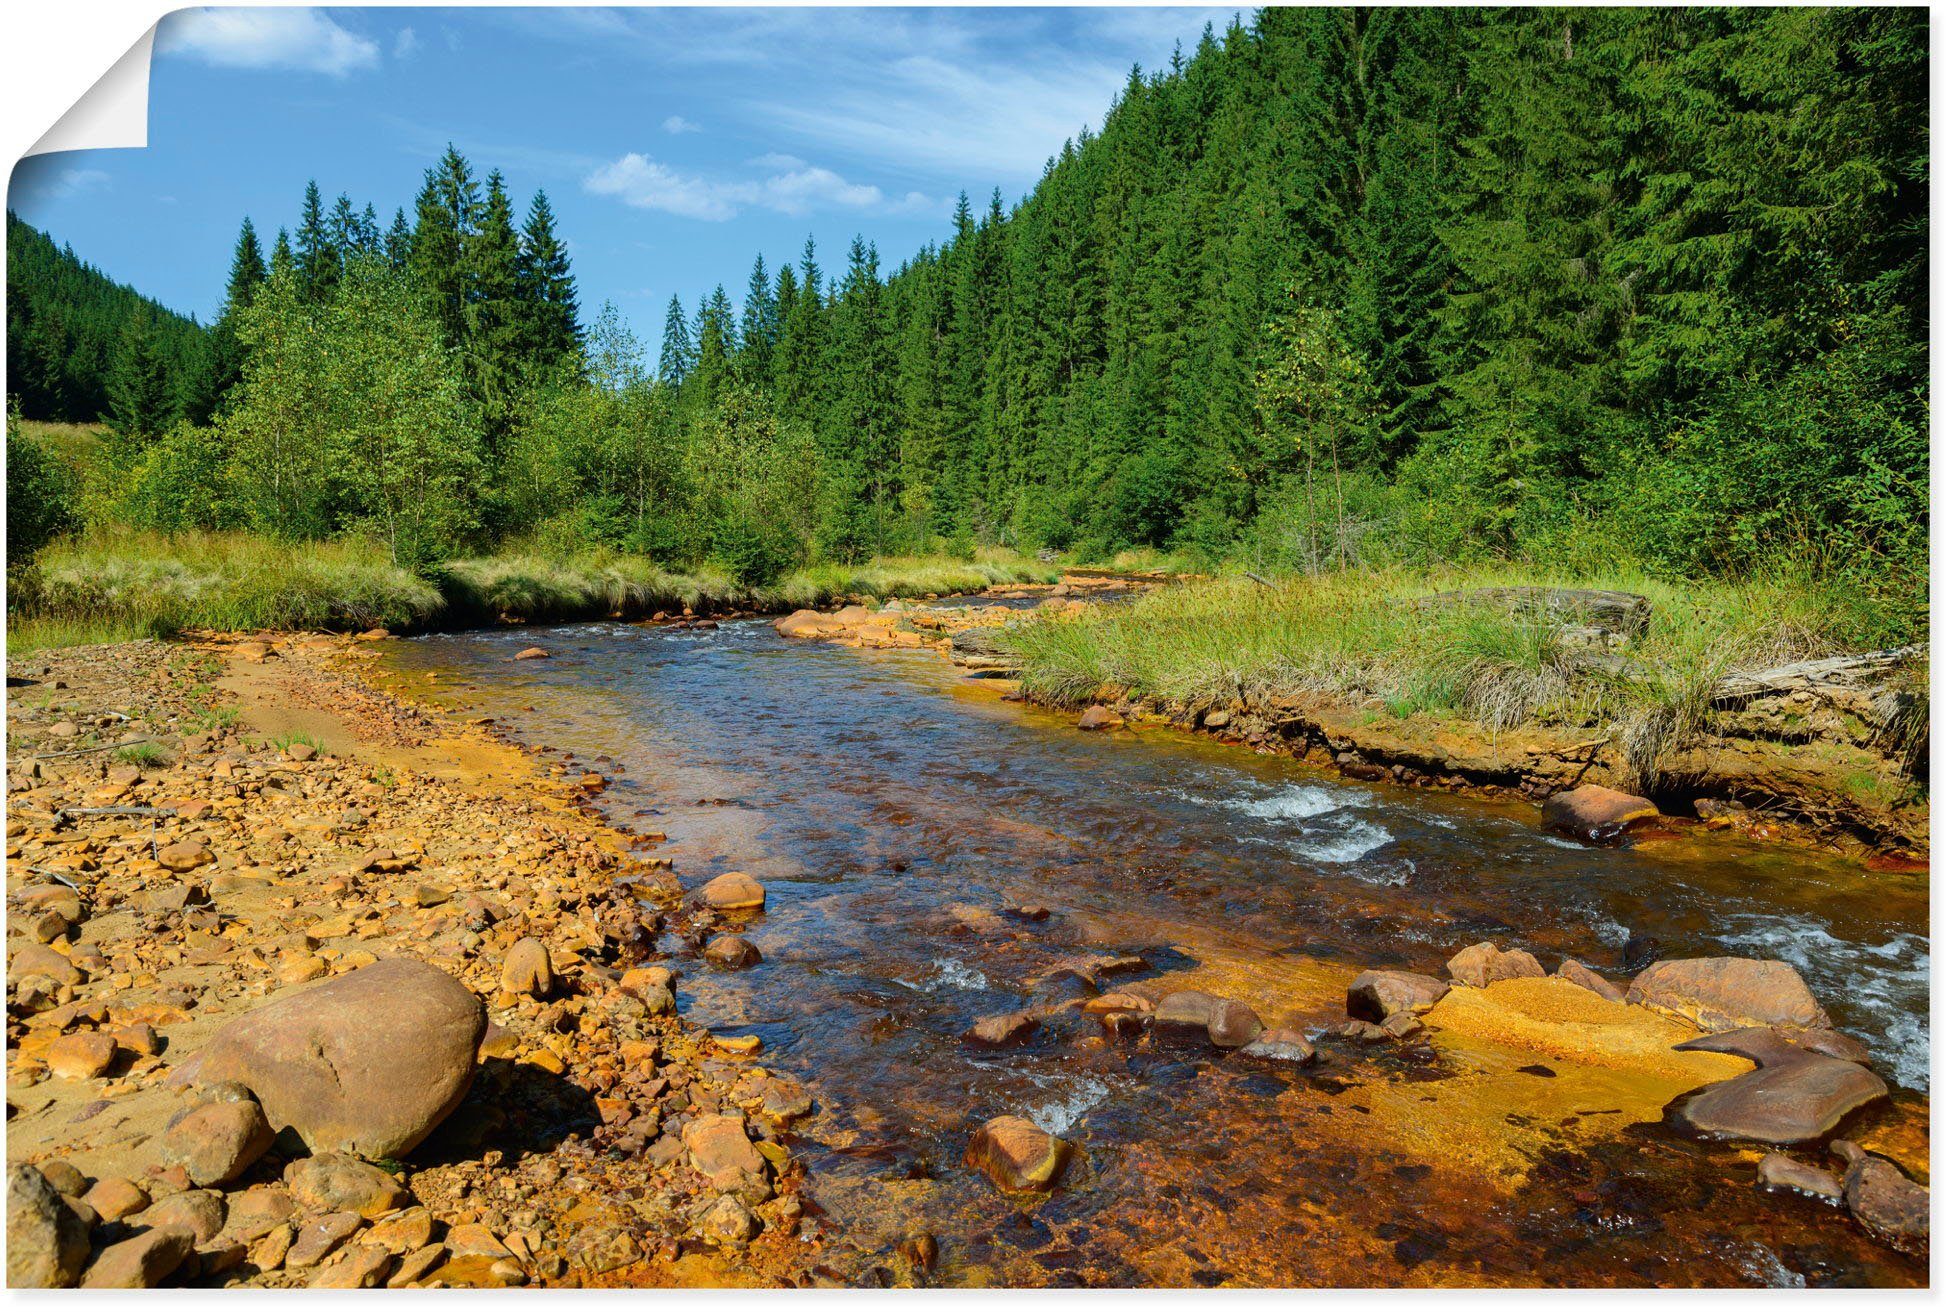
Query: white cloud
[(70, 182), (675, 125), (406, 44), (790, 187), (304, 40)]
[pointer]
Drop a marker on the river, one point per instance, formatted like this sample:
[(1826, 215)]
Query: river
[(911, 826)]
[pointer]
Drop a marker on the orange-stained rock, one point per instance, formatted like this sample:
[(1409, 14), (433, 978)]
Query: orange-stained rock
[(1017, 1155)]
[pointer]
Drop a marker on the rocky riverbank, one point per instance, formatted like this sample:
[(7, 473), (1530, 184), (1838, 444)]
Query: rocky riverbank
[(311, 986), (1799, 762)]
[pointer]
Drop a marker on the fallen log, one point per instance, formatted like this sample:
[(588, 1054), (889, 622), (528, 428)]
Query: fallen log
[(1864, 672), (1624, 614)]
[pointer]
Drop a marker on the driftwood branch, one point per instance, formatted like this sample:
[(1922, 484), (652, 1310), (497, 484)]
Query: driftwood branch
[(1851, 673), (150, 812), (83, 751), (1260, 580), (1622, 613)]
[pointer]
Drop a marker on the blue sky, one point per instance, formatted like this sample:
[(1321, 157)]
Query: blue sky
[(674, 144)]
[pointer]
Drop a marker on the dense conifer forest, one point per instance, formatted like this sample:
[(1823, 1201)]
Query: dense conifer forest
[(1336, 287)]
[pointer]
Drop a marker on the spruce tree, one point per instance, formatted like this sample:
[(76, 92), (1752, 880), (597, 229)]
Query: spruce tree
[(318, 260), (547, 294), (140, 402), (678, 355), (760, 325)]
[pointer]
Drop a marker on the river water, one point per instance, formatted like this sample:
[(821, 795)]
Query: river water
[(907, 821)]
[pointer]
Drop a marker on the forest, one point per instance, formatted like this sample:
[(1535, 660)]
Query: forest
[(1337, 288)]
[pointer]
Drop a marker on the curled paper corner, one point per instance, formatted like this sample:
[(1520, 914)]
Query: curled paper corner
[(113, 113)]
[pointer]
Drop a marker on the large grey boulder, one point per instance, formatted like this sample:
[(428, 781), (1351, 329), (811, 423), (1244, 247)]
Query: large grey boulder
[(366, 1064)]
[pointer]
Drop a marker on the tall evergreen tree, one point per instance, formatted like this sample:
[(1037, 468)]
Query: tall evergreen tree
[(553, 328), (318, 259), (678, 355)]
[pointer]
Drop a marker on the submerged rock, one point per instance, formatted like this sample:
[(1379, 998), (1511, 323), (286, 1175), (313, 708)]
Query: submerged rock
[(1188, 1009), (993, 1031), (1892, 1208), (1280, 1045), (1017, 1155), (366, 1064), (1594, 814), (1377, 994), (731, 952), (1484, 964), (1727, 993), (1776, 1171), (532, 654)]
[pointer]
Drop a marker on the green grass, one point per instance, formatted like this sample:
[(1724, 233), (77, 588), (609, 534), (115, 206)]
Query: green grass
[(285, 742), (107, 587), (27, 634), (1352, 637), (141, 754)]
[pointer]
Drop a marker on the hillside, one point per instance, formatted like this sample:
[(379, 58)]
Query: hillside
[(67, 324)]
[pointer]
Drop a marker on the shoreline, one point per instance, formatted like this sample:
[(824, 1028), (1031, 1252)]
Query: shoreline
[(461, 772), (453, 845), (1765, 790)]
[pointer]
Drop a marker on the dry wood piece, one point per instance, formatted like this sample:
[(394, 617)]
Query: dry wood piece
[(1851, 673), (1622, 613)]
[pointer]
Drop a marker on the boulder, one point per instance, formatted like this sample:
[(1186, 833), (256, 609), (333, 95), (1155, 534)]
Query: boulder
[(39, 959), (65, 1177), (367, 1063), (1575, 973), (115, 1197), (47, 1241), (808, 624), (336, 1182), (321, 1238), (257, 1211), (734, 891), (1376, 994), (1280, 1045), (728, 1221), (198, 1211), (528, 969), (1017, 1155), (1232, 1024), (1594, 814), (1099, 717), (1186, 1009), (732, 952), (1484, 964), (1892, 1208), (142, 1261), (1727, 993), (1793, 1096), (84, 1056), (1776, 1171), (720, 1148), (363, 1266), (532, 654), (218, 1141)]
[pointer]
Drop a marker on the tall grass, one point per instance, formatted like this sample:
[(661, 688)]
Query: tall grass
[(113, 586), (1354, 636)]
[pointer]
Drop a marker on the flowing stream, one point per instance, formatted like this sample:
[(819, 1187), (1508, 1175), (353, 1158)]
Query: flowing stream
[(910, 827)]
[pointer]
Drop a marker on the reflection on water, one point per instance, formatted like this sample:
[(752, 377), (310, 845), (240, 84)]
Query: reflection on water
[(903, 820)]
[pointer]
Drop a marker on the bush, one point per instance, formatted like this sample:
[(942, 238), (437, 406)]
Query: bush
[(40, 494), (755, 554)]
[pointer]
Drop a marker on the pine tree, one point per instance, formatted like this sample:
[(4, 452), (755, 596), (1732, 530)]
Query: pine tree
[(398, 241), (760, 326), (318, 260), (140, 400), (448, 210), (678, 356), (281, 259), (553, 329), (498, 323), (800, 346), (221, 367)]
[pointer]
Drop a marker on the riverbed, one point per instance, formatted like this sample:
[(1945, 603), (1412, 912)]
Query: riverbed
[(934, 854)]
